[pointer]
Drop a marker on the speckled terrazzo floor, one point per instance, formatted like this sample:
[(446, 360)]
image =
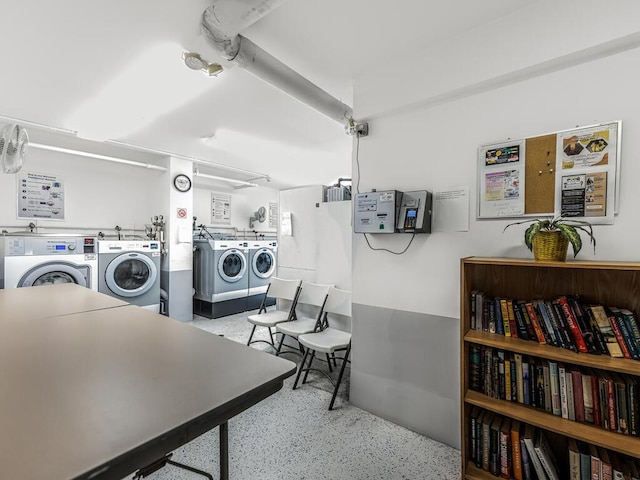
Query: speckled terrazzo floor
[(292, 436)]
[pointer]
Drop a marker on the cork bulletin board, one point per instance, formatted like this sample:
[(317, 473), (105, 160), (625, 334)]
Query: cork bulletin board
[(571, 173)]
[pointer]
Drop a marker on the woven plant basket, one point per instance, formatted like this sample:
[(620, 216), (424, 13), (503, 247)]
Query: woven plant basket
[(550, 246)]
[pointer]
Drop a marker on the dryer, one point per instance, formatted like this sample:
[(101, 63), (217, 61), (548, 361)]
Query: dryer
[(41, 259), (130, 270), (262, 266), (220, 277)]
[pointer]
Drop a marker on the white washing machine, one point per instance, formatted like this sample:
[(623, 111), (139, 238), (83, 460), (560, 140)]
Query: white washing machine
[(262, 266), (130, 270), (43, 259)]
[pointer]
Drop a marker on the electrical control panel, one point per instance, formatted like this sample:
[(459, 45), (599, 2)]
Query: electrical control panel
[(414, 214), (376, 212)]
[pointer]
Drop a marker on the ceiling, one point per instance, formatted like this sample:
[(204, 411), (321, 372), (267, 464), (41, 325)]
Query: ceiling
[(113, 71)]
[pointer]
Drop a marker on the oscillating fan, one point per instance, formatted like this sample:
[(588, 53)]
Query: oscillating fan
[(13, 148), (260, 216)]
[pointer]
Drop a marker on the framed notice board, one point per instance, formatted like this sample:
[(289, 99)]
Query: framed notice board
[(570, 173)]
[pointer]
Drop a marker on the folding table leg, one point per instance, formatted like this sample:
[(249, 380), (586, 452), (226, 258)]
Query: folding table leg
[(224, 451)]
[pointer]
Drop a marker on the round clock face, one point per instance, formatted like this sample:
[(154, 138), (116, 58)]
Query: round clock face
[(182, 183)]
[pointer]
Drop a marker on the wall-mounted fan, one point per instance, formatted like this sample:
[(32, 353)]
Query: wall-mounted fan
[(259, 215), (14, 142)]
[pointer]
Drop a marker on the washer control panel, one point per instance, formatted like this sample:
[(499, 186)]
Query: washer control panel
[(28, 246)]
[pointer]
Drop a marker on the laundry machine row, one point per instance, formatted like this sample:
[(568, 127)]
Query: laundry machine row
[(230, 276), (28, 260), (130, 271)]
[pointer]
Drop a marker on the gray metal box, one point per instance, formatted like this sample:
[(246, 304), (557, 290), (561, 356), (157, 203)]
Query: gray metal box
[(376, 212)]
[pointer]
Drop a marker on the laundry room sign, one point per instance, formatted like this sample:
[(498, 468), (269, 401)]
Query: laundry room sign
[(40, 196), (220, 208)]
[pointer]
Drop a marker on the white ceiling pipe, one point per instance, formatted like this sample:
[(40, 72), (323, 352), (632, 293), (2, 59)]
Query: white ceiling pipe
[(220, 25)]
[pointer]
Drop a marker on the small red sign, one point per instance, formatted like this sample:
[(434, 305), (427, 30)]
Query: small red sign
[(182, 213)]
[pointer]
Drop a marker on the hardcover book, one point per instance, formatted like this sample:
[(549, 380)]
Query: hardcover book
[(572, 324), (574, 460), (528, 437), (578, 399), (587, 398), (632, 325), (617, 331), (519, 378), (556, 408), (621, 404), (513, 328), (556, 310), (606, 469), (542, 309), (595, 463), (506, 460), (546, 456), (585, 325), (599, 339), (479, 310), (486, 440), (562, 382), (497, 312), (533, 317), (494, 446), (604, 326), (570, 395), (626, 334), (516, 456), (504, 312)]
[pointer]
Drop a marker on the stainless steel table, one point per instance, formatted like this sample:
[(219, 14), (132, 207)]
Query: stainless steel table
[(100, 394)]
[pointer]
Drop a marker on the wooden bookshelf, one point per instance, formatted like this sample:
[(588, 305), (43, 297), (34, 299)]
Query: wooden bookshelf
[(606, 283)]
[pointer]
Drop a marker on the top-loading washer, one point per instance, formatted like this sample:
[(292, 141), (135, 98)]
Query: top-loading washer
[(42, 259), (262, 266), (220, 277), (130, 270)]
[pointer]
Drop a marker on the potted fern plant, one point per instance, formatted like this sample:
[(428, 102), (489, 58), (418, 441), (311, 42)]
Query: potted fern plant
[(549, 238)]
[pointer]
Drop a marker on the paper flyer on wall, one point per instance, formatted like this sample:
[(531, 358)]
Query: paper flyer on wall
[(584, 195), (220, 208), (40, 196), (586, 162), (501, 180)]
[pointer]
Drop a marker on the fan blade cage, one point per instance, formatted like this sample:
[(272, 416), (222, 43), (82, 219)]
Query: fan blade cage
[(14, 142)]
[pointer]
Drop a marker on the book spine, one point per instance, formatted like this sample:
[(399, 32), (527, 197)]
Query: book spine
[(479, 310), (535, 323), (556, 409), (542, 308), (507, 378), (587, 398), (632, 387), (540, 395), (595, 468), (474, 368), (618, 334), (497, 311), (520, 325), (595, 397), (505, 457), (557, 330), (512, 319), (526, 462), (626, 335), (531, 332), (494, 452), (583, 324), (572, 323), (516, 456), (611, 403), (621, 406), (472, 307), (514, 379), (574, 465), (519, 378), (562, 326), (570, 395), (562, 382), (526, 382), (501, 377), (486, 444), (547, 387), (595, 329), (490, 315), (633, 327), (504, 310), (576, 378)]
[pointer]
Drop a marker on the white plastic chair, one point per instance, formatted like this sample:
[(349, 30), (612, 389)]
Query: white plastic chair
[(281, 290), (314, 295), (328, 341)]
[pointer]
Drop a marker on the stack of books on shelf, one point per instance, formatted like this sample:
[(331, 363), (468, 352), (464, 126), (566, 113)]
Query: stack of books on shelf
[(565, 321), (605, 399), (507, 448)]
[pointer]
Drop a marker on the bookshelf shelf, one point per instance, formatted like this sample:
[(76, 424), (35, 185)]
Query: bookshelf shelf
[(625, 444), (602, 362), (596, 283)]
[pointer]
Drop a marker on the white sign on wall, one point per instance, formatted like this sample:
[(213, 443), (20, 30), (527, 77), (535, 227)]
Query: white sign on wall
[(273, 215), (40, 196), (220, 208)]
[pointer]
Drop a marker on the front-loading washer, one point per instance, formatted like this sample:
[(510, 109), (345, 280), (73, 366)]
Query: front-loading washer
[(130, 270), (221, 281), (262, 266), (30, 260)]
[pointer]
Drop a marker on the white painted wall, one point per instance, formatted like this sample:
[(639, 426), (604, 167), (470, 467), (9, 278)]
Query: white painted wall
[(524, 75), (244, 202), (99, 194)]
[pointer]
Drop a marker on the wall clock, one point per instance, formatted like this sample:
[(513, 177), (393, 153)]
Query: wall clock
[(182, 183)]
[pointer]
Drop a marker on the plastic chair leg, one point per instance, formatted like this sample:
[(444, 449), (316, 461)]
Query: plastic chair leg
[(251, 336), (306, 374), (300, 368), (344, 364)]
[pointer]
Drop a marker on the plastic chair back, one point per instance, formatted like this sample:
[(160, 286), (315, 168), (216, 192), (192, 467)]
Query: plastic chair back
[(283, 289), (338, 302), (313, 294)]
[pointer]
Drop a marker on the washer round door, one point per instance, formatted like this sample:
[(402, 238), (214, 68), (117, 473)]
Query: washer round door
[(131, 274), (263, 263), (232, 265), (57, 272)]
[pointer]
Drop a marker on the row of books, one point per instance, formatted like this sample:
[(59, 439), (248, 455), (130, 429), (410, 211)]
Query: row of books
[(507, 448), (605, 399), (588, 462), (565, 322)]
